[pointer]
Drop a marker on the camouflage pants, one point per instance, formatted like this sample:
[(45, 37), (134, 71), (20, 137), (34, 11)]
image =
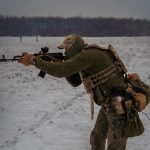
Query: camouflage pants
[(107, 130)]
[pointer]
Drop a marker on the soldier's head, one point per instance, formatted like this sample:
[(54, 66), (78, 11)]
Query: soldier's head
[(73, 44)]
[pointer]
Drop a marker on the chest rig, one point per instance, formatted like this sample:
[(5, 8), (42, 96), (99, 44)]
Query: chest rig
[(98, 79)]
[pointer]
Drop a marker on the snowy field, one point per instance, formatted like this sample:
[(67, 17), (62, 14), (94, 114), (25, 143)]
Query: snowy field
[(49, 114)]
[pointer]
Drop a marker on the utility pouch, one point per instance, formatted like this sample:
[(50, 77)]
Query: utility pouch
[(117, 103), (140, 90), (134, 126), (140, 98)]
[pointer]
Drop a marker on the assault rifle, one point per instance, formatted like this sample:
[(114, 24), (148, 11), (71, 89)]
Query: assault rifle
[(44, 54)]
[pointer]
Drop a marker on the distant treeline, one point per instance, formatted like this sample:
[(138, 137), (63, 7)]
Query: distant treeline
[(57, 26)]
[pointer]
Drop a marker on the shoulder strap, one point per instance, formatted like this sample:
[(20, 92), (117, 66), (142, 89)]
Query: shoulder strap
[(94, 46), (112, 51)]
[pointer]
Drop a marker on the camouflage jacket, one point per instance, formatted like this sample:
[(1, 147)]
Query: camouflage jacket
[(90, 60)]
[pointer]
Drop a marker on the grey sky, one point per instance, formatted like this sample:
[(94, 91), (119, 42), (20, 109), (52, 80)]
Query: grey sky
[(84, 8)]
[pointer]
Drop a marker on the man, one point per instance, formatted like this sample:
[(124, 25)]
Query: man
[(103, 75)]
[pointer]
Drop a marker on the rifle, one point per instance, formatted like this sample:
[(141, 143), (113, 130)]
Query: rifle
[(43, 54)]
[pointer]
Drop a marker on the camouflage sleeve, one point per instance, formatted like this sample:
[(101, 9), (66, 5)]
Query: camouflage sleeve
[(66, 68), (74, 79)]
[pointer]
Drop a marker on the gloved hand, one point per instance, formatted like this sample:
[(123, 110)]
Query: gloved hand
[(27, 59), (133, 77)]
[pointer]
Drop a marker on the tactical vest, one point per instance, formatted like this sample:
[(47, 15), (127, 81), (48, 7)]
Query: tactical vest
[(101, 77), (98, 79)]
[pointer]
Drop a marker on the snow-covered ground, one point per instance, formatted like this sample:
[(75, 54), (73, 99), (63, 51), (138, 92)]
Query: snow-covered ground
[(49, 114)]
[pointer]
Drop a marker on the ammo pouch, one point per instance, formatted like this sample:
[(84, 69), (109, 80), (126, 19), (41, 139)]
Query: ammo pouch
[(121, 106), (121, 101), (134, 126)]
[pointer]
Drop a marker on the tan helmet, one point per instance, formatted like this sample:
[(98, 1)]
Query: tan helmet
[(74, 39)]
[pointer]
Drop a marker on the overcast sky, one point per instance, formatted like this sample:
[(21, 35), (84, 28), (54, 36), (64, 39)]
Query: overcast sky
[(84, 8)]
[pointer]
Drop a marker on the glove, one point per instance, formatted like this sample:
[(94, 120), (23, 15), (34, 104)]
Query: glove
[(133, 77), (27, 59)]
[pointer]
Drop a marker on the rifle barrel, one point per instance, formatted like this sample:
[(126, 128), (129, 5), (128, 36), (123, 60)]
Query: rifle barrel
[(15, 58)]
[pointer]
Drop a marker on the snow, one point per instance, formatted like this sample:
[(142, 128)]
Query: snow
[(42, 114)]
